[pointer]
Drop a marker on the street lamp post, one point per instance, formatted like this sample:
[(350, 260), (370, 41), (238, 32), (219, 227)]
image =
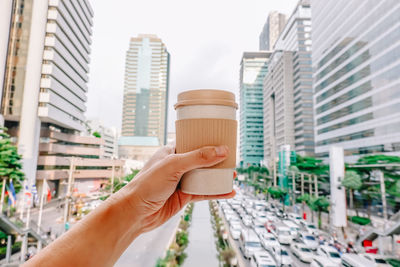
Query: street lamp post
[(112, 174), (3, 189), (68, 193), (316, 185), (383, 192), (294, 188), (44, 189)]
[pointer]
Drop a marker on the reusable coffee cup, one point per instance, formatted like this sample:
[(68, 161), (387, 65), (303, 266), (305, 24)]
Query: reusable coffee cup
[(207, 118)]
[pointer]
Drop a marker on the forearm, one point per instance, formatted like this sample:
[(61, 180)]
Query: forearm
[(99, 239)]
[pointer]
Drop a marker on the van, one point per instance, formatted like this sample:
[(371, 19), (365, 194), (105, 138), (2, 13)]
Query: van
[(354, 260), (249, 243)]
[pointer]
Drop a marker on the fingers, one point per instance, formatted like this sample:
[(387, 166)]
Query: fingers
[(203, 157), (159, 155)]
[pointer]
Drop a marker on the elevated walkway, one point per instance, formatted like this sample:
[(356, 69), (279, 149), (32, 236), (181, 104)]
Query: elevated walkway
[(374, 234), (14, 226)]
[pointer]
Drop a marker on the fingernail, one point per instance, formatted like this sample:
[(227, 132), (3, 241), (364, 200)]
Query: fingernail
[(221, 151)]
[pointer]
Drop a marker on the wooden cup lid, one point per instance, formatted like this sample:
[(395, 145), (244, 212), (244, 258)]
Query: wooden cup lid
[(206, 97)]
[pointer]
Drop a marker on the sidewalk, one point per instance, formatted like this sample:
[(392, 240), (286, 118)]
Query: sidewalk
[(201, 250)]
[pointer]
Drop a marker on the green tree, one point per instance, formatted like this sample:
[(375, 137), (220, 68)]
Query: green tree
[(96, 134), (303, 199), (10, 161), (319, 204), (313, 166), (119, 183), (352, 181), (370, 190), (278, 193)]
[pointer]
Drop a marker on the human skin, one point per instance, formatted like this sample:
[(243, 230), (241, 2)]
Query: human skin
[(145, 203)]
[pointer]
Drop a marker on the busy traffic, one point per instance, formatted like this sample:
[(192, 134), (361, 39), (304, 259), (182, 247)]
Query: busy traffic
[(266, 236)]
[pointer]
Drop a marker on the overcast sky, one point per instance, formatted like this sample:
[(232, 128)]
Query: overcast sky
[(205, 38)]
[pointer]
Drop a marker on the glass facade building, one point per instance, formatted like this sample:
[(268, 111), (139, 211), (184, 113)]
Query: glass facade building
[(146, 88), (254, 67), (356, 63), (288, 98)]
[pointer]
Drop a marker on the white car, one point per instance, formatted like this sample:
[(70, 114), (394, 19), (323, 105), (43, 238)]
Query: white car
[(234, 220), (319, 261), (282, 256), (262, 217), (247, 221), (310, 228), (379, 260), (235, 230), (302, 252), (309, 240), (330, 253), (262, 259), (249, 243), (283, 235), (269, 241), (294, 228), (249, 209), (259, 227), (295, 218)]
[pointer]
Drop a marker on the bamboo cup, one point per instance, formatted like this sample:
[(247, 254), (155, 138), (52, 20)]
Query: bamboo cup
[(207, 118)]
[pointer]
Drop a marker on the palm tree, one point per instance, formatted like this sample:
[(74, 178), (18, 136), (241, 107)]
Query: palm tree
[(352, 181), (319, 204), (278, 193)]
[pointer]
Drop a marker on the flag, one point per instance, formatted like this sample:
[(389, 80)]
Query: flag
[(46, 189), (13, 190), (9, 194), (34, 193), (27, 194)]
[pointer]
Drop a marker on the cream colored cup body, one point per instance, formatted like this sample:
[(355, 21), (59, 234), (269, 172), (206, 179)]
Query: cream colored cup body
[(207, 181)]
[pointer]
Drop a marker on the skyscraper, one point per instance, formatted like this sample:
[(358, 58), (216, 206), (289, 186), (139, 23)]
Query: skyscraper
[(356, 58), (146, 88), (253, 68), (278, 104), (272, 28), (45, 72), (288, 102)]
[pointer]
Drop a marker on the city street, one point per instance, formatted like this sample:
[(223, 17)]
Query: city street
[(243, 205), (148, 247)]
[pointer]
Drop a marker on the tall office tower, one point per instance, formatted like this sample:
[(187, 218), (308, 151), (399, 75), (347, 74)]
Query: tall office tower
[(146, 85), (254, 66), (278, 104), (44, 88), (272, 28), (288, 98), (356, 62)]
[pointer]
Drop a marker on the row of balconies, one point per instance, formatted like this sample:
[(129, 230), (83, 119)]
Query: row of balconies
[(57, 174), (72, 138)]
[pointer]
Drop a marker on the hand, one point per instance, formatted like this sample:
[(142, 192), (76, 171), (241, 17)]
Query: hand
[(149, 200), (153, 192)]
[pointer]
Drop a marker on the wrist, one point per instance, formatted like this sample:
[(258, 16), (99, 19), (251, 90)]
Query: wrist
[(127, 206)]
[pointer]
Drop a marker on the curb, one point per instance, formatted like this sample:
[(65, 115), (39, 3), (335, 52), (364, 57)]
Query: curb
[(173, 233)]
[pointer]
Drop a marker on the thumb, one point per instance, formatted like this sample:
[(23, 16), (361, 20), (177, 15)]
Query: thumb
[(202, 157)]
